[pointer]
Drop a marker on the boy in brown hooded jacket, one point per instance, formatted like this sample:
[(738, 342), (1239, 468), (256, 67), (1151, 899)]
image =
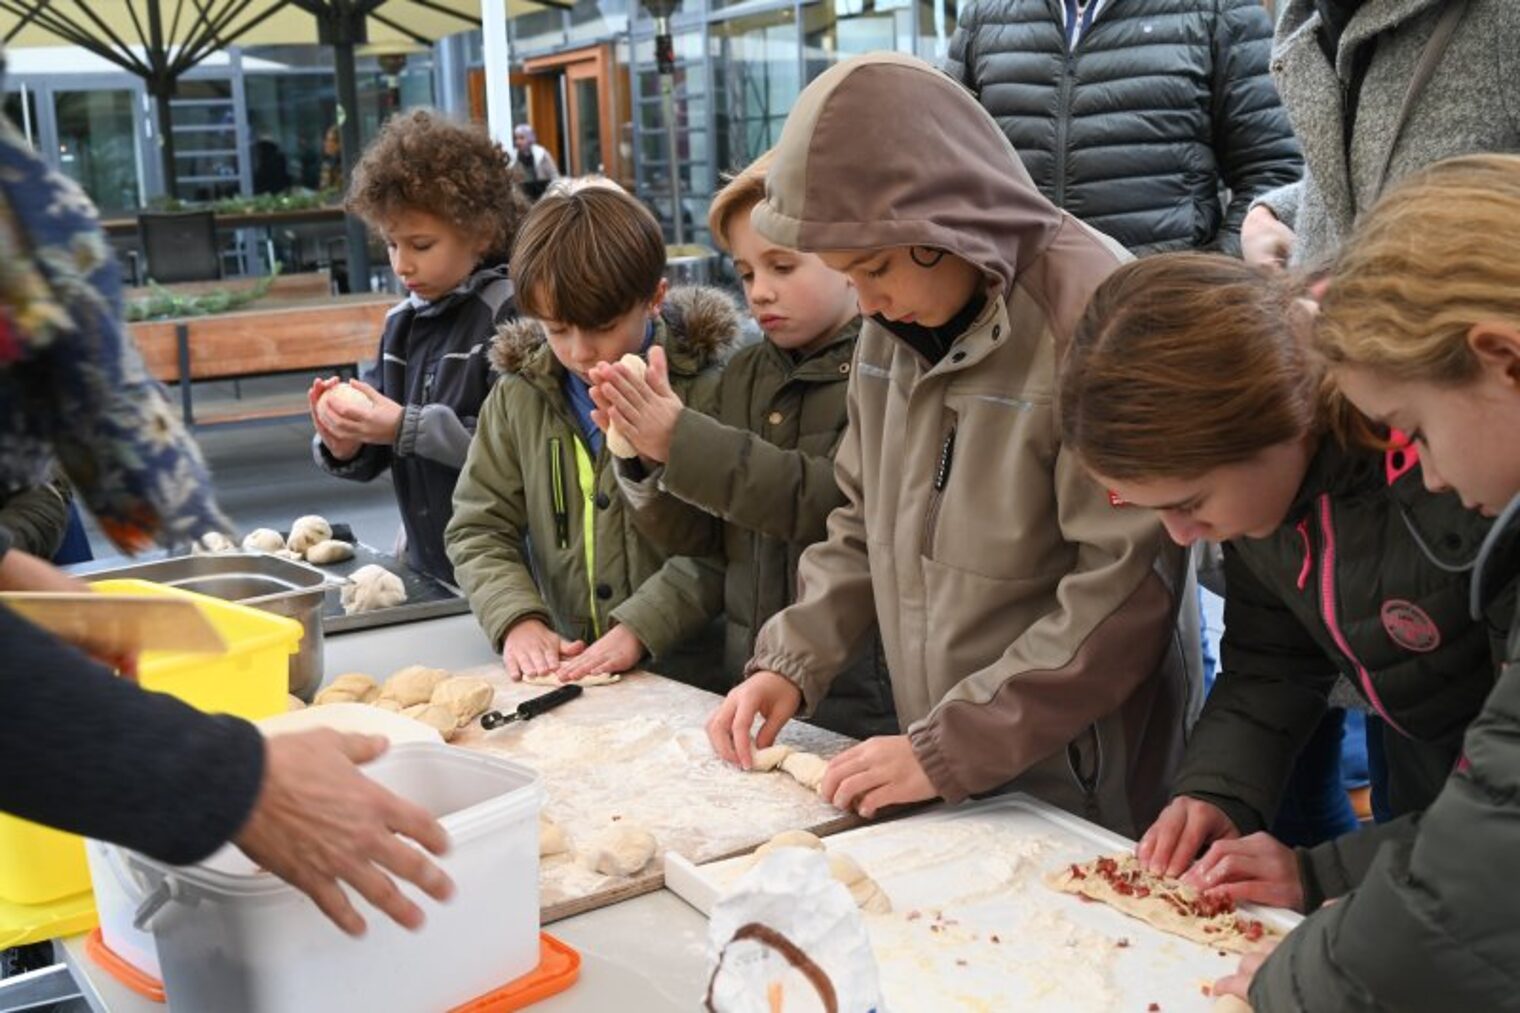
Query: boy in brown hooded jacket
[(1030, 623)]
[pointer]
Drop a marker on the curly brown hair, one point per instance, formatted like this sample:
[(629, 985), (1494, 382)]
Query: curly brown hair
[(423, 161)]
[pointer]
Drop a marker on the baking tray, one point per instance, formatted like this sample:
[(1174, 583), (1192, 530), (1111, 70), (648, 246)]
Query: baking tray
[(973, 925), (426, 597)]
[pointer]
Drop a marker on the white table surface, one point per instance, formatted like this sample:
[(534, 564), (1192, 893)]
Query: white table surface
[(644, 955)]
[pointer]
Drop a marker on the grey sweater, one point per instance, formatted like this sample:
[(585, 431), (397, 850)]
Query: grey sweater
[(1471, 103)]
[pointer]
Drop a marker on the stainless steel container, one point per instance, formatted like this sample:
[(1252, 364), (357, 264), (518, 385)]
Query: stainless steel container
[(281, 586)]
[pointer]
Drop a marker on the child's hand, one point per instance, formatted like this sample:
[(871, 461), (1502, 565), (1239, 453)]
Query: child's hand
[(532, 648), (618, 650), (1239, 983), (879, 772), (336, 445), (768, 694), (1183, 827), (645, 409), (379, 422), (1257, 868)]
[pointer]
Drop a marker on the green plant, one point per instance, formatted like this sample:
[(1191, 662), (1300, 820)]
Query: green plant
[(162, 304), (297, 199)]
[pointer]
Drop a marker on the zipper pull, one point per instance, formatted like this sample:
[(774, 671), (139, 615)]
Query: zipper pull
[(946, 457)]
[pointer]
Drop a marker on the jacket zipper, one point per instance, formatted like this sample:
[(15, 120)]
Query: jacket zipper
[(1063, 120), (941, 479), (1332, 623), (561, 494), (586, 472), (1087, 782)]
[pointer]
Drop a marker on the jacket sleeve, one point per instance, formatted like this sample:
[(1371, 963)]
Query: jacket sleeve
[(485, 537), (1253, 141), (671, 524), (435, 432), (1432, 925), (960, 61), (1283, 202), (674, 604), (1272, 690), (1114, 619), (811, 641), (37, 517), (90, 753), (1334, 868), (784, 494)]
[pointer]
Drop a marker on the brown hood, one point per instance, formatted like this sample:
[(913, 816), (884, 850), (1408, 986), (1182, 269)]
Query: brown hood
[(884, 150)]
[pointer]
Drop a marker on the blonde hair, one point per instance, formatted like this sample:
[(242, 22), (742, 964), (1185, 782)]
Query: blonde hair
[(1436, 255), (1187, 362), (741, 192)]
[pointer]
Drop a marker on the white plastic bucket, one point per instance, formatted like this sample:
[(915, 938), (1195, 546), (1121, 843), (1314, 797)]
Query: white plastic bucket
[(234, 939)]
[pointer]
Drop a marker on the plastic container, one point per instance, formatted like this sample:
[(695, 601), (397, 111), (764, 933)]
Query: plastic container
[(38, 864), (235, 939)]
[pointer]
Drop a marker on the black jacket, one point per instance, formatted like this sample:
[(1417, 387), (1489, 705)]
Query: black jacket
[(433, 361), (87, 752), (1435, 922), (1162, 106), (1369, 578)]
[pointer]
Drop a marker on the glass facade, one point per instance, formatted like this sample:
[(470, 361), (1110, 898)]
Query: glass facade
[(99, 145)]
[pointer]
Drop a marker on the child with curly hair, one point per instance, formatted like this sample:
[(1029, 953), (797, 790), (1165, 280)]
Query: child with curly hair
[(443, 197)]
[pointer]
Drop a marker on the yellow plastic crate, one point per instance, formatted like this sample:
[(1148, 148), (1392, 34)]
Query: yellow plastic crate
[(38, 864)]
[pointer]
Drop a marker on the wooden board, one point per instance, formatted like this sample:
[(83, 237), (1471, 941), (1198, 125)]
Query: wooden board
[(636, 753), (974, 926)]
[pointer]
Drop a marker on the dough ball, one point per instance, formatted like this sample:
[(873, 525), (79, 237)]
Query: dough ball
[(413, 684), (212, 543), (550, 679), (263, 540), (287, 554), (372, 587), (294, 703), (770, 757), (344, 394), (551, 838), (386, 704), (616, 443), (308, 531), (807, 768), (791, 839), (619, 851), (440, 719), (351, 687), (330, 551), (465, 695)]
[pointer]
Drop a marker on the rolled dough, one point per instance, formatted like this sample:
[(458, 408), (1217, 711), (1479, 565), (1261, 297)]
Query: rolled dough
[(619, 851), (599, 679), (616, 442)]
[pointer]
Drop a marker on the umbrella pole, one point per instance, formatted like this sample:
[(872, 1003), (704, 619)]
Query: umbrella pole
[(665, 58), (348, 132), (162, 91)]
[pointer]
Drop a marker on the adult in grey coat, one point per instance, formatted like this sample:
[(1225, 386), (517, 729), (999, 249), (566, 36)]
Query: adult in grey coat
[(1346, 110), (1154, 121)]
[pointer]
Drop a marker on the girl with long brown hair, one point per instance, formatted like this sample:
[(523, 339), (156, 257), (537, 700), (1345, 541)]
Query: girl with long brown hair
[(1188, 391)]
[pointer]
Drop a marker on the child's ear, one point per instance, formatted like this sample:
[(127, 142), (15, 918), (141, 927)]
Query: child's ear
[(660, 292), (1497, 348)]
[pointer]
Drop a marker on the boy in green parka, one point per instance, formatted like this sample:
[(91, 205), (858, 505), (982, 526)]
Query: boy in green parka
[(754, 480), (588, 267)]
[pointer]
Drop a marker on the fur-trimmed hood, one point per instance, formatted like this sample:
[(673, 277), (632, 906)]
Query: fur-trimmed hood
[(699, 326)]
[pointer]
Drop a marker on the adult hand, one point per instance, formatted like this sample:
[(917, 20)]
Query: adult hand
[(1180, 832), (768, 694), (1265, 241), (1239, 983), (644, 408), (319, 821), (617, 650), (22, 571), (1258, 868), (336, 445), (878, 772), (378, 422), (531, 648)]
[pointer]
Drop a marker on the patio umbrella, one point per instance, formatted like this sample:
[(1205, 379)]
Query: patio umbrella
[(159, 40)]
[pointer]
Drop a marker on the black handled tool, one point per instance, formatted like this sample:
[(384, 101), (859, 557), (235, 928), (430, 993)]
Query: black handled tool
[(530, 709)]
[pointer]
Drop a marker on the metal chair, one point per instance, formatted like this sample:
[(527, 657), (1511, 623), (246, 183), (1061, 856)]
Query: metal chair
[(180, 246)]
